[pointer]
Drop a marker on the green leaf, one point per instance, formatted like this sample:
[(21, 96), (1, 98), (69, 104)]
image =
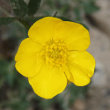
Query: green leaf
[(3, 67), (63, 18), (33, 6), (90, 7), (6, 20), (76, 92), (11, 74), (77, 13), (28, 21), (19, 7)]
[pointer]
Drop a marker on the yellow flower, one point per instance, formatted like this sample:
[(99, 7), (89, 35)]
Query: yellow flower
[(54, 54)]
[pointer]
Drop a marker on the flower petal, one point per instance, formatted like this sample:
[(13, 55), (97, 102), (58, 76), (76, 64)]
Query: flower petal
[(42, 30), (28, 61), (81, 67), (26, 47), (49, 82), (73, 34), (30, 65)]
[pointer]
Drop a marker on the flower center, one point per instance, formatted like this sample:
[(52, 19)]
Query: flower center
[(55, 53)]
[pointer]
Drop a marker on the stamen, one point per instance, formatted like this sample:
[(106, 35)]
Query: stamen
[(55, 53)]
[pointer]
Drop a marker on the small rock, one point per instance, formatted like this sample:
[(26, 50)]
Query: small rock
[(79, 104)]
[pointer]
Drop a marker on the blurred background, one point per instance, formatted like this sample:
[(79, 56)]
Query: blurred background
[(16, 16)]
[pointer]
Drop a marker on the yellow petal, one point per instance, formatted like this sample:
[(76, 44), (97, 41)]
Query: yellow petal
[(28, 61), (49, 82), (81, 66), (26, 47), (73, 34), (42, 30), (30, 65)]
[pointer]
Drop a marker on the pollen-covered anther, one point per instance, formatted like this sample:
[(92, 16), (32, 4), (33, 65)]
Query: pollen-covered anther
[(55, 53)]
